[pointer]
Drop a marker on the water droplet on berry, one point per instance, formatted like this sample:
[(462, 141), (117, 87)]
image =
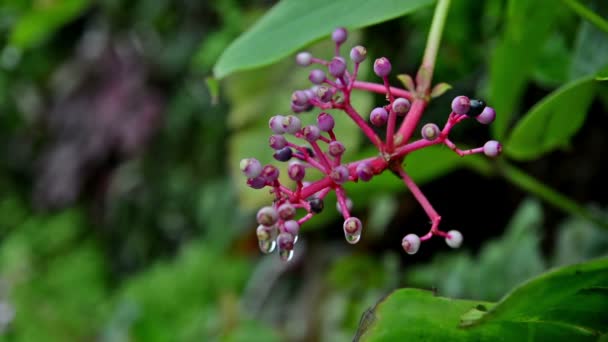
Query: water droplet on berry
[(285, 254), (352, 238), (267, 246)]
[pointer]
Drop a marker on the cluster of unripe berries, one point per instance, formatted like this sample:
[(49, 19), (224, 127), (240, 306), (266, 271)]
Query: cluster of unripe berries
[(279, 223)]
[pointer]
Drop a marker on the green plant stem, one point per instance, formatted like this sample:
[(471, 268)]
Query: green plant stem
[(532, 185), (425, 74), (587, 14)]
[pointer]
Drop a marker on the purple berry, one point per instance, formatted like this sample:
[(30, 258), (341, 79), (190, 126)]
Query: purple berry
[(311, 133), (378, 116), (325, 94), (358, 54), (296, 171), (337, 67), (276, 124), (316, 76), (339, 174), (382, 67), (316, 205), (292, 227), (492, 148), (286, 211), (283, 154), (364, 172), (285, 241), (267, 216), (411, 243), (257, 182), (461, 105), (454, 239), (401, 106), (291, 124), (299, 109), (487, 116), (430, 131), (270, 173), (304, 58), (325, 122), (475, 107), (277, 142), (339, 35), (299, 97), (336, 148), (250, 167), (352, 229)]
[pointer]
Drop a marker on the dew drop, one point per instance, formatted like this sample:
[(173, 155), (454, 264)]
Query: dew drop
[(352, 238), (286, 254), (267, 246)]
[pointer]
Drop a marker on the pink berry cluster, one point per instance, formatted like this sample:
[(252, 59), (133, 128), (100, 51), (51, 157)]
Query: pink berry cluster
[(333, 84)]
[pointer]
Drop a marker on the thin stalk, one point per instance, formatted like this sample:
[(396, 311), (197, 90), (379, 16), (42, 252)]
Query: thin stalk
[(587, 14), (532, 185)]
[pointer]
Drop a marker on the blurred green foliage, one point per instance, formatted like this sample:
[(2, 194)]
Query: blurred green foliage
[(158, 244)]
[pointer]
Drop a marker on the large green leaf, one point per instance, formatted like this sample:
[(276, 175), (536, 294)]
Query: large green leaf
[(43, 19), (551, 122), (567, 304), (292, 24), (528, 25)]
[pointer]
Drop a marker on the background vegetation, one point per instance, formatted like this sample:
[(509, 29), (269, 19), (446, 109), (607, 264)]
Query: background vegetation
[(122, 216)]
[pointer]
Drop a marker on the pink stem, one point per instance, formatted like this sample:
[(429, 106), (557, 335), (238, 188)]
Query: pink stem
[(341, 195), (411, 121), (381, 89), (316, 187), (322, 157), (363, 126), (413, 146), (306, 158)]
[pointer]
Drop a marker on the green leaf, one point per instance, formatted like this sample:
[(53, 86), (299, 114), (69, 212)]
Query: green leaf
[(528, 24), (291, 24), (570, 298), (551, 122), (567, 304), (43, 20), (590, 54)]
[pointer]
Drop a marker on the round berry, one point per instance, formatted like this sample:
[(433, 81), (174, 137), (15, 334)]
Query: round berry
[(358, 54), (299, 97), (352, 225), (257, 182), (454, 239), (336, 148), (325, 94), (461, 105), (286, 211), (296, 171), (316, 205), (276, 124), (304, 58), (492, 148), (283, 154), (250, 167), (430, 131), (337, 67), (339, 174), (325, 122), (364, 172), (292, 227), (292, 124), (382, 67), (476, 107), (299, 109), (270, 173), (401, 106), (411, 243), (311, 133), (267, 216), (487, 116), (339, 35), (277, 142), (378, 116), (285, 241), (316, 76)]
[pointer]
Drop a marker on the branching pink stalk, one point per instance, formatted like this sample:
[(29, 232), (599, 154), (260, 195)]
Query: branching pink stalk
[(332, 89)]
